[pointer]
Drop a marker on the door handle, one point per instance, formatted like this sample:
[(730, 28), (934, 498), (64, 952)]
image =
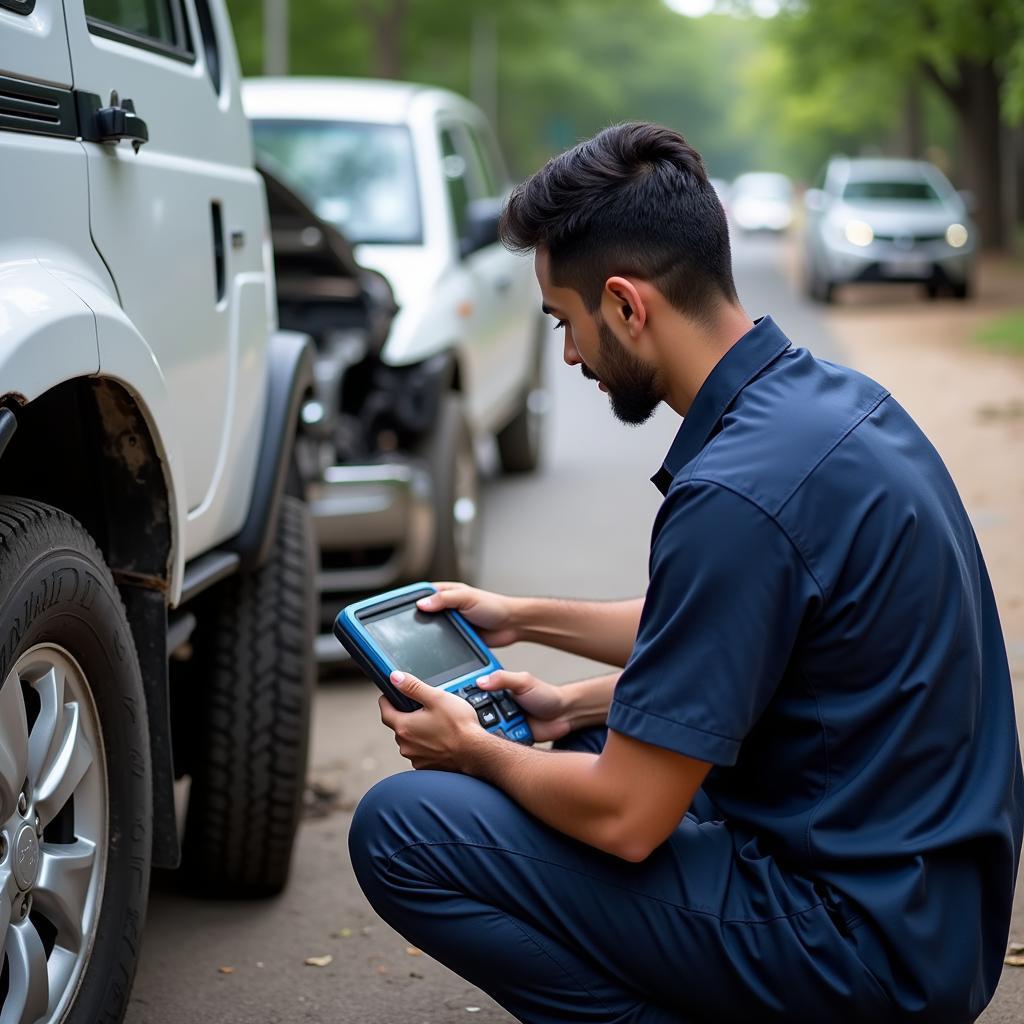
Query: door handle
[(119, 121), (219, 256)]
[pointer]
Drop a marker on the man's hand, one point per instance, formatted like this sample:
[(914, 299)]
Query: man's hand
[(545, 705), (492, 614), (441, 734)]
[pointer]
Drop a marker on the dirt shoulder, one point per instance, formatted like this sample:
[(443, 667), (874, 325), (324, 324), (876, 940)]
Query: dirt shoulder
[(967, 398)]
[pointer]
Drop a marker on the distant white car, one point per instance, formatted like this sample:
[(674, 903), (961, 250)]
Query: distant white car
[(414, 179), (879, 219), (762, 201)]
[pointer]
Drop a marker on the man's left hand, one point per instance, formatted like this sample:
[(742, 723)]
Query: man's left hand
[(441, 734)]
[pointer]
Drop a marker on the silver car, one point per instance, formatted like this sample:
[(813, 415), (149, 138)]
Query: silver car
[(880, 219)]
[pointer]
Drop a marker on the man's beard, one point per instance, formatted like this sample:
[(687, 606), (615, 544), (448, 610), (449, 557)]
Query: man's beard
[(633, 386)]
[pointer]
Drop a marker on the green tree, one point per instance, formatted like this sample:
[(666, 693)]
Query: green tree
[(856, 62)]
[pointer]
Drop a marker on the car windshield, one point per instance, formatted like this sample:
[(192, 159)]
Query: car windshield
[(764, 186), (360, 177), (912, 191)]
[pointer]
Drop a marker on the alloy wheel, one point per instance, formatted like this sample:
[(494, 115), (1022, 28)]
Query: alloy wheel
[(53, 827)]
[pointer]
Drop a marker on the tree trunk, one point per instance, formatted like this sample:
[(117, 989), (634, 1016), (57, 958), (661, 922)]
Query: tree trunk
[(980, 131), (385, 21), (912, 131)]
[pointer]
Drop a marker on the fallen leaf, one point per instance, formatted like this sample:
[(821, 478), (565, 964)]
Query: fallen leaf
[(415, 974), (342, 933), (1014, 960), (381, 969), (319, 961), (472, 1009), (1016, 947), (226, 970), (413, 951)]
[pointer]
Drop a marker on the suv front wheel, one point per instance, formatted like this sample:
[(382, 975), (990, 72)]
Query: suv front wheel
[(75, 787)]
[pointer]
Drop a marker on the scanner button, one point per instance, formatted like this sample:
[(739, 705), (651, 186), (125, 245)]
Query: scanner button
[(488, 716), (476, 697), (509, 708), (520, 733)]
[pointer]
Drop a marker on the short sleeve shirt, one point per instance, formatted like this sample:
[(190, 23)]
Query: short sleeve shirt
[(819, 625)]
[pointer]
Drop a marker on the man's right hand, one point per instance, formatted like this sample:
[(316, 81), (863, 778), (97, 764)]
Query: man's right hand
[(493, 615), (545, 705)]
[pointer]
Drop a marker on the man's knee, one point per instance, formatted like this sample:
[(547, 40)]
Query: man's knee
[(405, 810)]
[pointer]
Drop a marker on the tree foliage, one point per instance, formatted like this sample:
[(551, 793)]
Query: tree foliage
[(925, 76), (565, 67)]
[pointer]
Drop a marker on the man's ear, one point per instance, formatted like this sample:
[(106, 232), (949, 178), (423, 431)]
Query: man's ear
[(622, 304)]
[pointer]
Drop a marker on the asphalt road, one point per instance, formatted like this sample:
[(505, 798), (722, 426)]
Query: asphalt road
[(578, 528)]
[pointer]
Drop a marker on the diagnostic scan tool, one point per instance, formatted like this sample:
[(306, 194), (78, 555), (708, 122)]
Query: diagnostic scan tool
[(388, 633)]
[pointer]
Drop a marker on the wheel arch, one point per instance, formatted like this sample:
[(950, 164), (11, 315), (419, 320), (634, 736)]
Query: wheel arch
[(86, 446)]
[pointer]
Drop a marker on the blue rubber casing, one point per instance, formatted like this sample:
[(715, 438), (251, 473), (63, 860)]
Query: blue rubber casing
[(354, 637)]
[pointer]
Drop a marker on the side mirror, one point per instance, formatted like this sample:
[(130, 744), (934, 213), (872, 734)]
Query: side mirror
[(482, 217), (815, 200), (969, 199)]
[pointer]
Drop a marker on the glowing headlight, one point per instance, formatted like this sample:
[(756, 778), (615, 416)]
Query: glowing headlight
[(956, 235), (858, 232)]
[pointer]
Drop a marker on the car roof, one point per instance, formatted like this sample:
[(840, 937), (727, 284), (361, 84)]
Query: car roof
[(886, 168), (351, 99)]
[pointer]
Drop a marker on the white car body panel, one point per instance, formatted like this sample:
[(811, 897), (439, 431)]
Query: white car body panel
[(47, 333), (41, 50), (191, 342), (485, 306)]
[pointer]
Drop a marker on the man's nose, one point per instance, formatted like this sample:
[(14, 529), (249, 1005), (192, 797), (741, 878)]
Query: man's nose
[(569, 353)]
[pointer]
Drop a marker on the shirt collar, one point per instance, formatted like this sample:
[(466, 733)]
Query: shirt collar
[(754, 351)]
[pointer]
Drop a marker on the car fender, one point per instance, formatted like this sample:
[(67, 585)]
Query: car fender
[(125, 357), (47, 332)]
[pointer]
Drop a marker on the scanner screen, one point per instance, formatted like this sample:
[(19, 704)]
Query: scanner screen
[(430, 646)]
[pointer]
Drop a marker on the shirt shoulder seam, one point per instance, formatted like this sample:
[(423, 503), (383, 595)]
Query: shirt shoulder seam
[(878, 400), (770, 517)]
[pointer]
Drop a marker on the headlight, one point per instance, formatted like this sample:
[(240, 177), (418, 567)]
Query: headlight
[(858, 232), (956, 235)]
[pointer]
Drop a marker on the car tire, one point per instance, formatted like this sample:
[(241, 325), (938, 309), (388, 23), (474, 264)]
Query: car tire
[(251, 688), (451, 461), (821, 289), (74, 769), (962, 289), (520, 441)]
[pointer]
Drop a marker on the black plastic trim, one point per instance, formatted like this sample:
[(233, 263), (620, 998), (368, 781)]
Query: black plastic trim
[(123, 35), (289, 376), (19, 6), (202, 572), (147, 614), (37, 109), (8, 425)]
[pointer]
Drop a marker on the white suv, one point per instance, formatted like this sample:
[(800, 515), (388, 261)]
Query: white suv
[(413, 177), (156, 603)]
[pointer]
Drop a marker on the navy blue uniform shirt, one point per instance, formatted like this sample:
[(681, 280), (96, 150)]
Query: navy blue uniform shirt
[(819, 625)]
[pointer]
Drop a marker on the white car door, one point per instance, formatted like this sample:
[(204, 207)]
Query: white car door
[(172, 216), (517, 298), (483, 280)]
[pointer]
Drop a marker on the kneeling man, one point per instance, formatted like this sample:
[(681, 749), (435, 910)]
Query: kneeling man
[(801, 799)]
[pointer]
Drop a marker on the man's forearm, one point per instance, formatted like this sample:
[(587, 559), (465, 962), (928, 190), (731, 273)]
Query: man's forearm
[(587, 701), (561, 788), (600, 630)]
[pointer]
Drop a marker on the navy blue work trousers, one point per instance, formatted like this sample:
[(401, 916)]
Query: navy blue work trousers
[(708, 928)]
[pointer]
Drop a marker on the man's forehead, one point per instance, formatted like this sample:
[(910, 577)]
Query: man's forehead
[(555, 297)]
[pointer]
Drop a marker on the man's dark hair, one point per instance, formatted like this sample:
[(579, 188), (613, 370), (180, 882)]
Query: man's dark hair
[(634, 200)]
